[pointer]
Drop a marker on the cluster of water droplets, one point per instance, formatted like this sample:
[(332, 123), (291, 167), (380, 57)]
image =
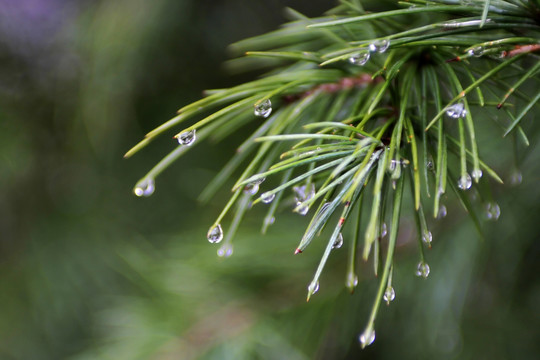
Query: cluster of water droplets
[(303, 193), (145, 188), (253, 187), (465, 182), (263, 109), (389, 294), (215, 234), (187, 138), (367, 337), (457, 110), (361, 58), (422, 270)]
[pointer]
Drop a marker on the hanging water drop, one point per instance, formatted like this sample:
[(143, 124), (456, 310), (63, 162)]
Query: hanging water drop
[(215, 234), (493, 211), (456, 110), (465, 182), (367, 338), (313, 287), (384, 230), (379, 46), (263, 109), (302, 210), (352, 281), (253, 187), (422, 270), (303, 194), (515, 178), (267, 197), (338, 242), (144, 188), (359, 58), (226, 250), (476, 174), (427, 237), (187, 138), (476, 51), (389, 295), (442, 212)]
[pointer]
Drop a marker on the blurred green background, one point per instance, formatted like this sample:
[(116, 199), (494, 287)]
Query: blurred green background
[(89, 271)]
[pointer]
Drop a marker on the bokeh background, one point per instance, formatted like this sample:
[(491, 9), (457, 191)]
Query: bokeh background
[(89, 271)]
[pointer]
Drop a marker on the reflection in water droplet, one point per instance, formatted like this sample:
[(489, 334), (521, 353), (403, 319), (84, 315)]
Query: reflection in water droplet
[(267, 197), (303, 210), (442, 212), (516, 178), (379, 46), (144, 188), (338, 242), (313, 287), (427, 237), (476, 51), (187, 138), (367, 338), (303, 194), (465, 182), (263, 109), (389, 295), (384, 230), (215, 234), (476, 174), (422, 270), (456, 110), (359, 58), (493, 211), (225, 250)]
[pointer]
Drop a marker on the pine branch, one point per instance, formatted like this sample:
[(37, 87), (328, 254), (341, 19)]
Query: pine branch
[(354, 104)]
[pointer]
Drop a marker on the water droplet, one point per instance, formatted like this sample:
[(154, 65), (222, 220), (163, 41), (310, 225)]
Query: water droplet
[(215, 234), (427, 237), (465, 182), (456, 110), (476, 51), (352, 281), (379, 46), (367, 338), (384, 230), (430, 165), (187, 138), (493, 211), (144, 188), (251, 188), (225, 250), (476, 174), (442, 212), (303, 194), (303, 210), (389, 295), (267, 197), (313, 287), (422, 270), (269, 220), (359, 58), (338, 242), (263, 109), (516, 178)]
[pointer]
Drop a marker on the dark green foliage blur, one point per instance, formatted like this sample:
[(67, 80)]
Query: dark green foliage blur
[(89, 271)]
